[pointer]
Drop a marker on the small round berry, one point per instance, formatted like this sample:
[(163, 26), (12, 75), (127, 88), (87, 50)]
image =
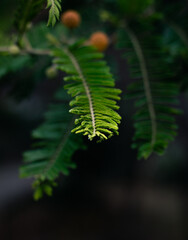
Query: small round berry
[(71, 19), (51, 72), (99, 40), (14, 49), (29, 26)]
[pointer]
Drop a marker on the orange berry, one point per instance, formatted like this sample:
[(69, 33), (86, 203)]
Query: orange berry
[(71, 19), (99, 40)]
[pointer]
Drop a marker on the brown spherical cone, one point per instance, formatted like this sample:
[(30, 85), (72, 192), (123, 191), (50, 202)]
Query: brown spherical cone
[(71, 19), (99, 40)]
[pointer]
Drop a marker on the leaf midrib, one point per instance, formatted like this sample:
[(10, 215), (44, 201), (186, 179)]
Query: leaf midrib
[(86, 87), (59, 148), (146, 82)]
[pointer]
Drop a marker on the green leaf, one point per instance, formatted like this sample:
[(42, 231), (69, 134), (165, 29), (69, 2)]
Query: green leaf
[(53, 149), (54, 11), (91, 86), (42, 187), (154, 94)]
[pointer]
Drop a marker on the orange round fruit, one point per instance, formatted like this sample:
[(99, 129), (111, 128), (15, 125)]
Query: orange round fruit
[(99, 40), (71, 19)]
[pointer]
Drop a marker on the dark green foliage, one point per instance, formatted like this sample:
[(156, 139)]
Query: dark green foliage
[(154, 94), (12, 63), (158, 68), (176, 36), (26, 11), (55, 145), (173, 9), (92, 86), (133, 8), (176, 47), (37, 36)]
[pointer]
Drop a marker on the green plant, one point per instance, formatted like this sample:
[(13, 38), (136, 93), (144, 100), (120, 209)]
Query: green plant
[(140, 32)]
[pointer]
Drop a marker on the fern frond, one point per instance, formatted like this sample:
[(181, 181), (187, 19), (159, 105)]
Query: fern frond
[(154, 95), (54, 147), (26, 11), (92, 86), (181, 32), (54, 12), (176, 44), (176, 37)]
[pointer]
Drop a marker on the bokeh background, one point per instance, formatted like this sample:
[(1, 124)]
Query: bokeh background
[(111, 195)]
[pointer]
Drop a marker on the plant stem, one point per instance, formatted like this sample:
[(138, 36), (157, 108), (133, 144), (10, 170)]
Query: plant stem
[(31, 51)]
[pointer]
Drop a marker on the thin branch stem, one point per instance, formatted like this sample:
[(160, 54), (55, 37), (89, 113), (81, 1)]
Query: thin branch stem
[(25, 51), (37, 51)]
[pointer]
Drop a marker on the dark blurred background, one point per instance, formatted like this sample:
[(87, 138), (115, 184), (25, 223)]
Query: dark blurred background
[(111, 195)]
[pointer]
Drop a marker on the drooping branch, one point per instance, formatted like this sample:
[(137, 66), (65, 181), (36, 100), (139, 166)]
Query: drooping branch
[(146, 82)]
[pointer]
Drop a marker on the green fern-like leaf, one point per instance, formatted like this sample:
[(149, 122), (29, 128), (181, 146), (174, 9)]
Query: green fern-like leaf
[(26, 11), (54, 12), (43, 186), (92, 86), (154, 94), (54, 147), (176, 37), (176, 44)]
